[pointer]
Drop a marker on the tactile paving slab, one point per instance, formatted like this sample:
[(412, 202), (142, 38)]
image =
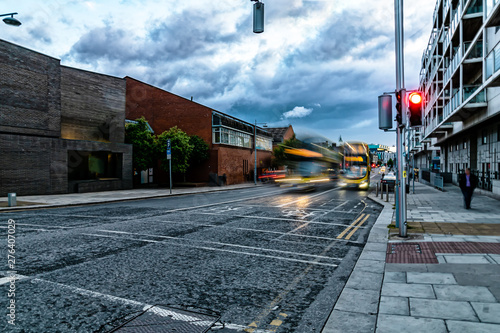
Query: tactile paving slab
[(425, 252)]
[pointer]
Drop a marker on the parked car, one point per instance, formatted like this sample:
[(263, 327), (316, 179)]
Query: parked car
[(382, 169), (390, 180)]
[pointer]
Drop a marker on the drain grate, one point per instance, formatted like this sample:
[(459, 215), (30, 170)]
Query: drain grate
[(166, 319)]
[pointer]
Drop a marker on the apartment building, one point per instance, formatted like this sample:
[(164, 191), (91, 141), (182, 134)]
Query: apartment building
[(460, 77)]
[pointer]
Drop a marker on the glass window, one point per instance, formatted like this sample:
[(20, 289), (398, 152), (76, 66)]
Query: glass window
[(215, 119), (485, 137), (464, 145), (231, 137)]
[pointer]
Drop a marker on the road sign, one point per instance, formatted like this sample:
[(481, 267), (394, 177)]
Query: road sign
[(169, 150), (404, 173)]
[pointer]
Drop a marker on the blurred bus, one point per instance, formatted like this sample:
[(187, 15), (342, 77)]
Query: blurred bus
[(357, 167), (309, 166)]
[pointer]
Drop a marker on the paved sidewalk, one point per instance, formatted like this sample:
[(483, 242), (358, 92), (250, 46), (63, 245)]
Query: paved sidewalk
[(73, 199), (444, 281)]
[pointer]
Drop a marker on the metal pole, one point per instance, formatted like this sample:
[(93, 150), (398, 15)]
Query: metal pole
[(400, 183), (170, 173), (255, 153)]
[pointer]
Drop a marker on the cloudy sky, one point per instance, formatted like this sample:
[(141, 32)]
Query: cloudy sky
[(319, 65)]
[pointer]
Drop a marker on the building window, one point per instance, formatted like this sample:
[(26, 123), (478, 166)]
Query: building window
[(451, 167), (458, 167), (485, 137), (498, 133), (464, 145), (451, 148), (234, 138), (457, 147)]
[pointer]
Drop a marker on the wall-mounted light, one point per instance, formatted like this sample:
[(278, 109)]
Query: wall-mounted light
[(11, 20)]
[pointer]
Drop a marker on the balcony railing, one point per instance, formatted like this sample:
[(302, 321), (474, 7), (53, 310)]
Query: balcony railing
[(493, 61), (446, 6), (476, 51), (470, 90), (453, 65), (476, 7), (454, 103)]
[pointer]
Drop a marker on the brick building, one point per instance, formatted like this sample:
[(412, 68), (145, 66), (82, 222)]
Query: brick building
[(230, 140), (61, 129)]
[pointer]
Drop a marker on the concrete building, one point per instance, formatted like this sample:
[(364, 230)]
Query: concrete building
[(61, 128), (230, 140), (460, 77)]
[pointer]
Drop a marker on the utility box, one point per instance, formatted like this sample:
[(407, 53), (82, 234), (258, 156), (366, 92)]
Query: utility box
[(258, 17), (12, 200), (385, 112)]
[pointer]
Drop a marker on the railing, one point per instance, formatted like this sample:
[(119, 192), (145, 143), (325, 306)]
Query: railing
[(493, 61), (454, 103), (476, 8), (454, 21), (446, 6), (476, 51), (470, 90), (453, 65)]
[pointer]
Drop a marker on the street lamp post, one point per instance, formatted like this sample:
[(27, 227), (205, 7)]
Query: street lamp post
[(11, 20)]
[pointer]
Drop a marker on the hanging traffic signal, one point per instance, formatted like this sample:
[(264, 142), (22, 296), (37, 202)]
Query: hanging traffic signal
[(415, 103)]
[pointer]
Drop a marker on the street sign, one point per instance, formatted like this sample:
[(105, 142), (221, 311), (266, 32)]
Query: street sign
[(169, 150), (404, 173)]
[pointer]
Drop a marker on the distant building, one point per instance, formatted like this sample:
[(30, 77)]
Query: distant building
[(460, 77), (281, 134), (230, 140), (61, 129)]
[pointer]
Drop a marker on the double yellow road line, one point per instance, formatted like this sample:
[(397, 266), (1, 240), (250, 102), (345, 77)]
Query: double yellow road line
[(356, 224)]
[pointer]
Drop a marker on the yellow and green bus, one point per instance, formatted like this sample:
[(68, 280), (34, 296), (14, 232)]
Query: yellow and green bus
[(356, 166)]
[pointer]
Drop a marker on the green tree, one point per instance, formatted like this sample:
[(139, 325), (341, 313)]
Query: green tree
[(200, 151), (390, 163), (141, 138), (180, 146), (279, 156)]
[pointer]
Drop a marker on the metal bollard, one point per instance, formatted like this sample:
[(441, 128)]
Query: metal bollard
[(376, 190), (386, 192), (12, 200)]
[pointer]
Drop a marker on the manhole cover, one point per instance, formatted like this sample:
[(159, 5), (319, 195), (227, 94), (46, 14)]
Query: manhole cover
[(166, 319)]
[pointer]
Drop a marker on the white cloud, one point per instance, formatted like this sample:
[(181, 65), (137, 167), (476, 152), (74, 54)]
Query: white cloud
[(297, 112), (362, 124)]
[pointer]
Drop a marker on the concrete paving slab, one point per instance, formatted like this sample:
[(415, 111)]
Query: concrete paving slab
[(370, 266), (469, 327), (487, 312), (466, 259), (398, 324), (408, 290), (430, 278), (349, 322), (397, 277), (361, 280), (495, 257), (372, 255), (464, 293), (361, 301), (375, 247), (394, 305), (406, 267), (431, 308)]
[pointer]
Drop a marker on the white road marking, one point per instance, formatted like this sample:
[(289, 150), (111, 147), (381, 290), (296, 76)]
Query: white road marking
[(219, 250), (275, 218), (222, 244), (27, 228)]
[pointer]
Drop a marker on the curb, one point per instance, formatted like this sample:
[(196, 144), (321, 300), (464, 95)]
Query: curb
[(356, 309), (103, 201)]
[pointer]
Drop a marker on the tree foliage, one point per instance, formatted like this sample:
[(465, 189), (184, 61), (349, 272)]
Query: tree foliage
[(279, 152), (200, 151), (143, 144), (180, 146)]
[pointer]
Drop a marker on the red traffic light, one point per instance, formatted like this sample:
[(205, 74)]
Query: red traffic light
[(415, 103), (415, 98)]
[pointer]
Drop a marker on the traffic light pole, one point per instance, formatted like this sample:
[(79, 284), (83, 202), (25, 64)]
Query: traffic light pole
[(401, 184)]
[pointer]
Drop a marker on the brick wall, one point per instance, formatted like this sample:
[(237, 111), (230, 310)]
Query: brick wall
[(39, 165), (92, 106), (164, 110), (231, 162), (29, 92)]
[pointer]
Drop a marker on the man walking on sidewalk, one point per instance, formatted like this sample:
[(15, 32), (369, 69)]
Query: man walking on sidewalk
[(467, 183)]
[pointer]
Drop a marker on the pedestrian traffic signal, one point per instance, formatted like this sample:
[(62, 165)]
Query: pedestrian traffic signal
[(415, 103)]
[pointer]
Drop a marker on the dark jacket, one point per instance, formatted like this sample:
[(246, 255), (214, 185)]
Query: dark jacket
[(463, 181)]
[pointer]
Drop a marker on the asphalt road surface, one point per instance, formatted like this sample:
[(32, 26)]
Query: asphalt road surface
[(264, 259)]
